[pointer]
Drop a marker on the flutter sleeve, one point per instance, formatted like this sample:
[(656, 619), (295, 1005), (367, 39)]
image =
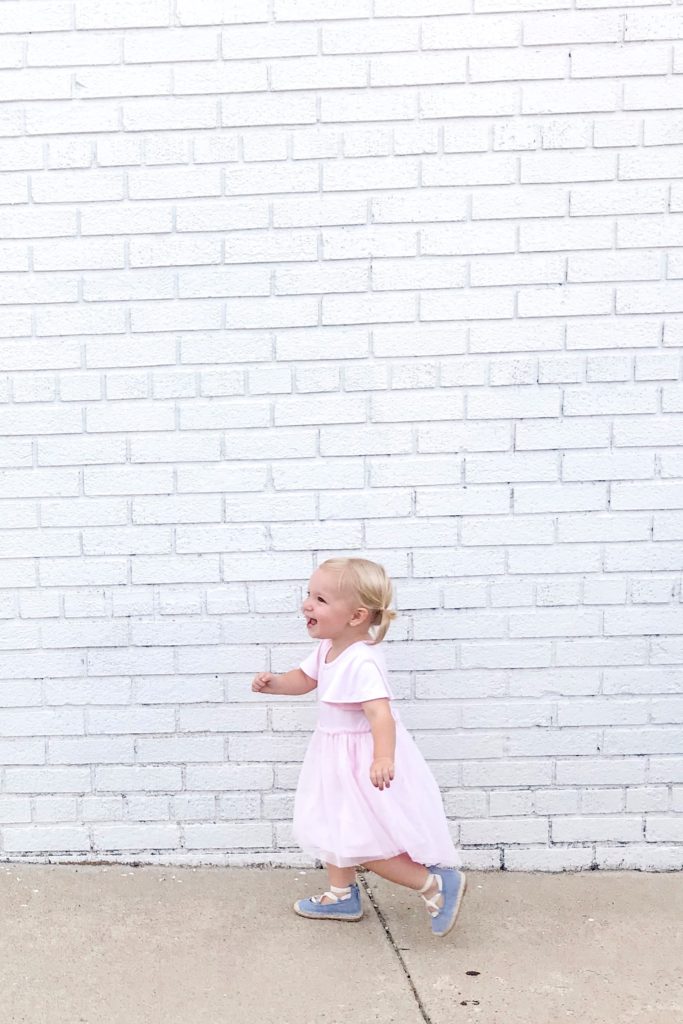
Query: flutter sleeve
[(364, 681), (310, 663)]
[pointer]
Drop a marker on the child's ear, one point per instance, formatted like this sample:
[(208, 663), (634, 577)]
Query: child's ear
[(359, 616)]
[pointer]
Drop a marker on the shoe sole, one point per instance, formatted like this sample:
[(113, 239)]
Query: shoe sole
[(327, 917), (456, 911)]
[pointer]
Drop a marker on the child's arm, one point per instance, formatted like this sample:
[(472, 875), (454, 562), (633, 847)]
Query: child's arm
[(293, 683), (383, 727)]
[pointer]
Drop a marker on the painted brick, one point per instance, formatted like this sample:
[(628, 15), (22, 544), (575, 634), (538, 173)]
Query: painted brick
[(52, 17), (299, 280)]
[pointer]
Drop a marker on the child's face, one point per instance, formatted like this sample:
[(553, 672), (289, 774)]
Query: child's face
[(329, 612)]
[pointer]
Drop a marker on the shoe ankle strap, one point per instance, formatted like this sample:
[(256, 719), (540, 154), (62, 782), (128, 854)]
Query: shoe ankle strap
[(433, 907), (335, 894)]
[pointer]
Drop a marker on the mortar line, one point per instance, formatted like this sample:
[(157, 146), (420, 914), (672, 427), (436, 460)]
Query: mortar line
[(387, 931)]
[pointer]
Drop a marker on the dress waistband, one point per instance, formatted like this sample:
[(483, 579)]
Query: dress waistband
[(343, 732)]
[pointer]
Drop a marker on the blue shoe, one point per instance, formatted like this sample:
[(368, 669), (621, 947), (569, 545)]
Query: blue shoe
[(452, 885), (342, 909)]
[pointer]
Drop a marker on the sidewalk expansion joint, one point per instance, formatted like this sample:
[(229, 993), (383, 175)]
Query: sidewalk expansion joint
[(387, 931)]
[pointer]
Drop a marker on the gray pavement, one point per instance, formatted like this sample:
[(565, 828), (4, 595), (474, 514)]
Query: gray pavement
[(82, 944)]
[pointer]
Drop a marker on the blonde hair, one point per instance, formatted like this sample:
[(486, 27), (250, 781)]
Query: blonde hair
[(368, 582)]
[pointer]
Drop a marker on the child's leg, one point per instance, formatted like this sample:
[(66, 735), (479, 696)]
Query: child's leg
[(405, 871)]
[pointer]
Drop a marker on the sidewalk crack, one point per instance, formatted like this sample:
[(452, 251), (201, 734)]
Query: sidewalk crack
[(387, 931)]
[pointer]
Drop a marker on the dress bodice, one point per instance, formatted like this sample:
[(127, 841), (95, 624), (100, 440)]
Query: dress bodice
[(357, 674)]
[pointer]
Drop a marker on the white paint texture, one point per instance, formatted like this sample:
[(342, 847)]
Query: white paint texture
[(284, 278)]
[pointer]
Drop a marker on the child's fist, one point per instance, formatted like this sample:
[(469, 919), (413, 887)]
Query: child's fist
[(261, 682)]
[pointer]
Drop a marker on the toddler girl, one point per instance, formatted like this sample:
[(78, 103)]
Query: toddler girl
[(365, 794)]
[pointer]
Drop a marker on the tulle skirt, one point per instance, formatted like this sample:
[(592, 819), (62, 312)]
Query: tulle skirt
[(342, 819)]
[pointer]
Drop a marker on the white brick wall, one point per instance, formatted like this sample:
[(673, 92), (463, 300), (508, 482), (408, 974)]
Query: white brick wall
[(286, 278)]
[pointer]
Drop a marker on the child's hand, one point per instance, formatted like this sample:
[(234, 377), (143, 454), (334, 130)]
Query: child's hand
[(262, 682), (381, 772)]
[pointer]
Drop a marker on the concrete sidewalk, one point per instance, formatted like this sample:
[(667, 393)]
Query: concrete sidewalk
[(162, 945)]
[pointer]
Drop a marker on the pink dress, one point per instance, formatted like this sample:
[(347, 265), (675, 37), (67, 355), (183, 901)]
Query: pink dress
[(339, 816)]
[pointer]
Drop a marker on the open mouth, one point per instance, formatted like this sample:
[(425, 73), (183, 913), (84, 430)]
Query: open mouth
[(311, 622)]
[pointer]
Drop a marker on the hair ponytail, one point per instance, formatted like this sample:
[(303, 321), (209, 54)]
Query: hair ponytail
[(381, 627)]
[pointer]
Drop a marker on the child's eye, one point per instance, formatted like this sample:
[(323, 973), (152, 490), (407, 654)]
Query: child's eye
[(322, 599)]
